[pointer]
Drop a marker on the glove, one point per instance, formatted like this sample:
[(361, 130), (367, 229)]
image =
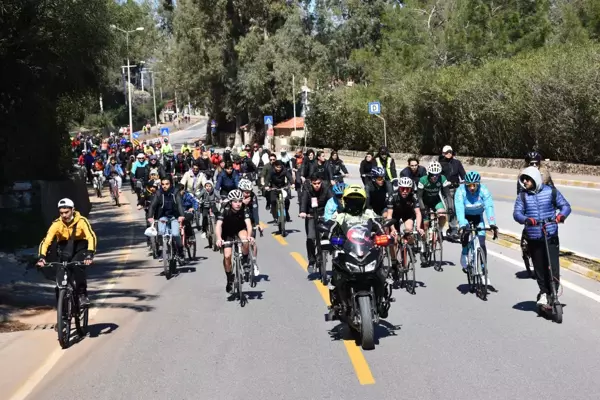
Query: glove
[(89, 256), (530, 222), (560, 218)]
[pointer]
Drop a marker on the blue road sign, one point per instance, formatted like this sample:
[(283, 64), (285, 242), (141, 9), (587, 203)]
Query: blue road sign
[(375, 107), (268, 120), (136, 135), (164, 131)]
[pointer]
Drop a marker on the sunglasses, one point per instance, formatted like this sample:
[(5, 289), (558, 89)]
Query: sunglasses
[(380, 179), (534, 163), (405, 189), (472, 185)]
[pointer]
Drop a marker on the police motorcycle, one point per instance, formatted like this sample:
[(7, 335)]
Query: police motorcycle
[(359, 292)]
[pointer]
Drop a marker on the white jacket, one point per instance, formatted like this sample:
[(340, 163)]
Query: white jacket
[(191, 184)]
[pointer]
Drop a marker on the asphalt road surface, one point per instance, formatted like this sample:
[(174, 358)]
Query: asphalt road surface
[(183, 338)]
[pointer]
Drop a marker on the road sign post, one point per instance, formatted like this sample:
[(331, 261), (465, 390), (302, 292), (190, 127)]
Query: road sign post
[(375, 109)]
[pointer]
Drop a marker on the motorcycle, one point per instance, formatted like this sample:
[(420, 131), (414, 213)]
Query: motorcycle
[(359, 294)]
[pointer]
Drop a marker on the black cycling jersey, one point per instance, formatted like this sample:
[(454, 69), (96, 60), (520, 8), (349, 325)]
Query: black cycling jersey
[(377, 196), (233, 221), (403, 208)]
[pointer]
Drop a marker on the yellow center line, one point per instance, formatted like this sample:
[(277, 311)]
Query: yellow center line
[(278, 238), (361, 367)]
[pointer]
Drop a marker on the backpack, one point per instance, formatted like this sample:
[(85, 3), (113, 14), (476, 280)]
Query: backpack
[(554, 194)]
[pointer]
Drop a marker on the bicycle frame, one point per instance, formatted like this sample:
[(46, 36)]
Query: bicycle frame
[(236, 267)]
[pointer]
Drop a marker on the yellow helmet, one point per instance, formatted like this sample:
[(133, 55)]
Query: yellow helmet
[(354, 199)]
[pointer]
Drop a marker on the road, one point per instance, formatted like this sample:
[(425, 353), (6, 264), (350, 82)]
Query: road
[(158, 339), (578, 234)]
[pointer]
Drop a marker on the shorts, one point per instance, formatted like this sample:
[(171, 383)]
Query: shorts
[(428, 206), (403, 215)]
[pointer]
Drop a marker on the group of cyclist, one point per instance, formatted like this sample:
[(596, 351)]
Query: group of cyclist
[(170, 188)]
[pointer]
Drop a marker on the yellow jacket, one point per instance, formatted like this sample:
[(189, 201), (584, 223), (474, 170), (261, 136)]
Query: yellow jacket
[(149, 150), (62, 232)]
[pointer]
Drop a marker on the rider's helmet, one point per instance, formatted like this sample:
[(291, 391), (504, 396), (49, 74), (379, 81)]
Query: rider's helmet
[(434, 168), (235, 194), (472, 177), (245, 185), (166, 140), (405, 182), (354, 200), (533, 156), (338, 189), (377, 172), (66, 203)]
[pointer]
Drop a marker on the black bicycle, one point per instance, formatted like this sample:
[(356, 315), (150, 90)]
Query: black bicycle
[(68, 307)]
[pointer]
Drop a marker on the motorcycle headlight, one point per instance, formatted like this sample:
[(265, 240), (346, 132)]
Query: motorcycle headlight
[(352, 267), (370, 267)]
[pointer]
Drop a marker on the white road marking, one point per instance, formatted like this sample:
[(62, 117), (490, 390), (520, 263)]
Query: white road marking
[(563, 282)]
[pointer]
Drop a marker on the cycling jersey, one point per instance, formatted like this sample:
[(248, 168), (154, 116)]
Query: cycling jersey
[(333, 206), (377, 196), (430, 193), (233, 222), (403, 208)]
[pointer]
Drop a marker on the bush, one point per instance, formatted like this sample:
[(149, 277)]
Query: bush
[(545, 100)]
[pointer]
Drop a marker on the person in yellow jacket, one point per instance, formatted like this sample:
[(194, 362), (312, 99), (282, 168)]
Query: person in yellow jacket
[(185, 147), (76, 242)]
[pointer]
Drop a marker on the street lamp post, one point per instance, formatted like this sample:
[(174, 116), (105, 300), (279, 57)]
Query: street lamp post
[(153, 94), (141, 28)]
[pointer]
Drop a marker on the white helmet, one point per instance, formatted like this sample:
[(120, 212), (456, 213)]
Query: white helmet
[(406, 182), (235, 194), (434, 168), (66, 203), (245, 185)]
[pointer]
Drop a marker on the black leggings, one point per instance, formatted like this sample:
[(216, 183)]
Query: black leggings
[(539, 257)]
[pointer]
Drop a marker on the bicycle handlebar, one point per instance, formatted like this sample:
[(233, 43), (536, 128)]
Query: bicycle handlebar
[(478, 229), (237, 241)]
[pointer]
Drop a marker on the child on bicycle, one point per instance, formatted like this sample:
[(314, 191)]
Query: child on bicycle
[(470, 202)]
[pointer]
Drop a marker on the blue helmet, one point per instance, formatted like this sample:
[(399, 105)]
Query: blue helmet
[(338, 189), (378, 172), (472, 177)]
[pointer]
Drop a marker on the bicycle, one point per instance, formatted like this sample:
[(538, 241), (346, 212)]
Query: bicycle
[(253, 263), (281, 216), (68, 307), (114, 190), (211, 236), (168, 253), (433, 244), (98, 183), (189, 242), (238, 272), (477, 268), (407, 263), (322, 256)]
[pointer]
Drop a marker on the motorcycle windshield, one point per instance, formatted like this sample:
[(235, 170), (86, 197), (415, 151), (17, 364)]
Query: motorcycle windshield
[(358, 240)]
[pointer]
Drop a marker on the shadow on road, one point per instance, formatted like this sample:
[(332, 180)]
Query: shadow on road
[(382, 330), (528, 305), (523, 275), (96, 330)]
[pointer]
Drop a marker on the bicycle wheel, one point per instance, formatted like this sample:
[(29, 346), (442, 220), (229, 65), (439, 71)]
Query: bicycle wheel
[(166, 256), (239, 281), (409, 273), (81, 320), (322, 260), (63, 320), (437, 250), (281, 210), (482, 275)]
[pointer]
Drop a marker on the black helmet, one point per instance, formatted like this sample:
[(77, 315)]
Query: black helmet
[(533, 155)]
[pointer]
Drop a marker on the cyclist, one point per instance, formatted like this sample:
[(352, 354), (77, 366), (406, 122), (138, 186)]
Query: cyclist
[(430, 190), (167, 155), (193, 179), (536, 203), (207, 199), (454, 172), (168, 208), (114, 171), (234, 222), (313, 189), (403, 206), (190, 205), (470, 201), (337, 169), (98, 170), (250, 201), (154, 164), (365, 168), (266, 171), (185, 147), (378, 191), (76, 242), (279, 178), (334, 204), (414, 171), (180, 166), (227, 180), (139, 175), (355, 212)]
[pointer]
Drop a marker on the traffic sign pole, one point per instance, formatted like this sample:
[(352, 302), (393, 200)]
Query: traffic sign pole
[(375, 109)]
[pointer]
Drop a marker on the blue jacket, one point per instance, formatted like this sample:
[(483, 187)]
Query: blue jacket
[(189, 201), (538, 205), (117, 168), (226, 181), (137, 165), (467, 203), (331, 207)]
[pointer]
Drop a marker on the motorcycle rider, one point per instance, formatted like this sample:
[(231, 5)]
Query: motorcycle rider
[(355, 212)]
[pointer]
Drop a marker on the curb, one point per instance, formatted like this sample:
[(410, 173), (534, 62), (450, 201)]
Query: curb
[(564, 263)]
